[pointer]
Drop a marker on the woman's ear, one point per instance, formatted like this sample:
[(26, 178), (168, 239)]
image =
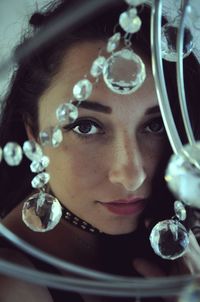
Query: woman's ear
[(29, 129)]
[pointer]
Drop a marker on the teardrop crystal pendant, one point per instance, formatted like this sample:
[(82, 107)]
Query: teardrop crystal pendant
[(40, 180), (40, 165), (183, 175), (67, 113), (179, 210), (97, 66), (129, 21), (51, 136), (41, 212), (113, 42), (82, 90), (124, 72), (169, 41), (169, 239), (32, 150), (12, 153)]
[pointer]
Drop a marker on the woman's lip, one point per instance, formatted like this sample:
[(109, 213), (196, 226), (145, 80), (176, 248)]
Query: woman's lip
[(125, 207)]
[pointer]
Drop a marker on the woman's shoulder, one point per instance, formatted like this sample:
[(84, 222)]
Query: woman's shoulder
[(14, 289)]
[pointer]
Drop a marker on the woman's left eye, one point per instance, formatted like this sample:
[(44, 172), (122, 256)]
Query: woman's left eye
[(155, 126)]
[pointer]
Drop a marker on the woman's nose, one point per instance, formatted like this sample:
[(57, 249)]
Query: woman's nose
[(127, 165)]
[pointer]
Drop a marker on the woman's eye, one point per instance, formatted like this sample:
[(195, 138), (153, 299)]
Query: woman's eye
[(155, 126), (86, 128)]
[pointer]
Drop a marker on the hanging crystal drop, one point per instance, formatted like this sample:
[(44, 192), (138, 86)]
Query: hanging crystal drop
[(169, 239), (67, 113), (113, 42), (183, 175), (179, 210), (169, 40), (191, 293), (1, 154), (124, 72), (97, 66), (12, 153), (129, 21), (51, 136), (135, 2), (40, 165), (32, 150), (82, 90), (41, 212), (40, 180)]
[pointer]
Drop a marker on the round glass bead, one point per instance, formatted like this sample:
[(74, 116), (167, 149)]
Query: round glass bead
[(183, 175), (169, 41), (191, 293), (129, 21), (124, 72), (40, 165), (12, 153), (113, 42), (32, 150), (67, 113), (169, 239), (40, 180), (51, 136), (135, 2), (82, 90), (97, 66), (41, 212), (179, 210)]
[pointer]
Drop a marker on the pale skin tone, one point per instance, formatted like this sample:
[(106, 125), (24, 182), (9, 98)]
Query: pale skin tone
[(114, 159)]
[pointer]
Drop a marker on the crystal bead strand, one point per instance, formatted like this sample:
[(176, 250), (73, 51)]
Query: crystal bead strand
[(41, 212)]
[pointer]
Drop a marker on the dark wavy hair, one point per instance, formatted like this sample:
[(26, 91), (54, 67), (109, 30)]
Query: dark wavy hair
[(34, 74)]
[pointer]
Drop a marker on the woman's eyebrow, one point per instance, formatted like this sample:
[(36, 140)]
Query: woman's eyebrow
[(151, 110), (93, 106)]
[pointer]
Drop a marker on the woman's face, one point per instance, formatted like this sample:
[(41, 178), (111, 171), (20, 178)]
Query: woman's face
[(104, 167)]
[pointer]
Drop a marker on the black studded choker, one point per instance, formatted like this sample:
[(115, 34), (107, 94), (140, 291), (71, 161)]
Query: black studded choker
[(78, 222)]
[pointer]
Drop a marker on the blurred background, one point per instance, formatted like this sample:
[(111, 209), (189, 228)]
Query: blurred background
[(14, 16)]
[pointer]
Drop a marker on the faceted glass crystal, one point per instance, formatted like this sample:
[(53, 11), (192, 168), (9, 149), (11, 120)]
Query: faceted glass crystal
[(179, 210), (113, 42), (169, 40), (51, 136), (169, 239), (124, 72), (41, 212), (32, 150), (67, 113), (12, 153), (40, 180), (183, 175), (82, 90), (40, 165), (129, 21), (97, 66), (135, 2)]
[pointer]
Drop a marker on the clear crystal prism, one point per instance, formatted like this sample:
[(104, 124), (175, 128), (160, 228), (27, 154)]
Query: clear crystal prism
[(169, 239), (124, 72), (12, 153), (40, 165), (41, 212), (67, 113), (51, 136), (129, 21), (32, 150), (82, 90), (40, 180)]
